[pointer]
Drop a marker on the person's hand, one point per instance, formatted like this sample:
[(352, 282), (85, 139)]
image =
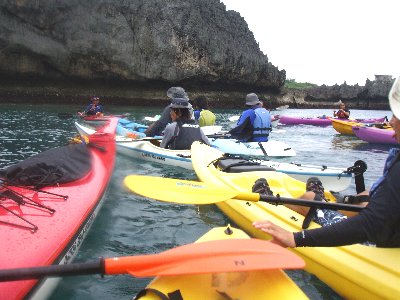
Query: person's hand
[(280, 236)]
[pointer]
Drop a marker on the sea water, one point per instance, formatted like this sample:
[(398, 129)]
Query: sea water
[(133, 225)]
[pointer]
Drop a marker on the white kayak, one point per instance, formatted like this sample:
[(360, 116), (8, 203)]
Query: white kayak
[(147, 149), (333, 179), (271, 148)]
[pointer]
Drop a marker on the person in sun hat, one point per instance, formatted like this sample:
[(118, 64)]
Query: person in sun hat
[(254, 124), (184, 130), (158, 127), (202, 114), (378, 222), (94, 108)]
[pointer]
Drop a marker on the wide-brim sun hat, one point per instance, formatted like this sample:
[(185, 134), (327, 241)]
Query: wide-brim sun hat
[(177, 92), (394, 98), (252, 99), (180, 103)]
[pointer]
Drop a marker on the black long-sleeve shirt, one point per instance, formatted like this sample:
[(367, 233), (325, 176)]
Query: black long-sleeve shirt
[(378, 222)]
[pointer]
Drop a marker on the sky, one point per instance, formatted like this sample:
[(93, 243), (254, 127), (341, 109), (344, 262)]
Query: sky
[(326, 41)]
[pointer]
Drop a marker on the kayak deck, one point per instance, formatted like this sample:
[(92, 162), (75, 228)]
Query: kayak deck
[(59, 234), (268, 284), (354, 271)]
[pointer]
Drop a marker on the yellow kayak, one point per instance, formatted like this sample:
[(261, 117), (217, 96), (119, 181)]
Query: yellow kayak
[(345, 127), (354, 272), (269, 284)]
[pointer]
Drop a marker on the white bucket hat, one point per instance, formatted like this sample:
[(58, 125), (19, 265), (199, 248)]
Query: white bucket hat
[(252, 99), (394, 98)]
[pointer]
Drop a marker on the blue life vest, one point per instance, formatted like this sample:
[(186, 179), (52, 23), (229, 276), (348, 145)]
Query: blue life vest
[(394, 155), (261, 125)]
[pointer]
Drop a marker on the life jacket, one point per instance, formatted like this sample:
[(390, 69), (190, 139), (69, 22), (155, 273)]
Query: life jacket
[(206, 118), (341, 114), (393, 157), (261, 125), (186, 132)]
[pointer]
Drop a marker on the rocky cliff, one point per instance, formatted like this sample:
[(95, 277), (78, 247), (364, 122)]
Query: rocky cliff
[(130, 47), (374, 95)]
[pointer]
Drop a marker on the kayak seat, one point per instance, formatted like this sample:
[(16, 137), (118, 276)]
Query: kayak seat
[(238, 165)]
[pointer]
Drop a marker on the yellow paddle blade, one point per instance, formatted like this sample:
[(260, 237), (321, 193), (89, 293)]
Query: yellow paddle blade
[(178, 190)]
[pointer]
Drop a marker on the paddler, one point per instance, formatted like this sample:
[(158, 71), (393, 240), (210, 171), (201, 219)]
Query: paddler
[(377, 223), (94, 108), (158, 127), (343, 112), (254, 124), (202, 114), (183, 131)]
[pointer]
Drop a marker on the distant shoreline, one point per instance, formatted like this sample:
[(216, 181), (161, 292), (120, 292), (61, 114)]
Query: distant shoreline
[(153, 94)]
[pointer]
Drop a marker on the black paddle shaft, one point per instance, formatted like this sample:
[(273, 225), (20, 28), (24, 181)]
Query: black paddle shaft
[(318, 204), (53, 271)]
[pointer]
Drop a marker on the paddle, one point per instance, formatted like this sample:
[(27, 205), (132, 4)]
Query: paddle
[(194, 192), (234, 255), (159, 138), (130, 140)]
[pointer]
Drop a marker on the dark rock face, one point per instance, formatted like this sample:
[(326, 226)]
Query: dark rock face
[(132, 41)]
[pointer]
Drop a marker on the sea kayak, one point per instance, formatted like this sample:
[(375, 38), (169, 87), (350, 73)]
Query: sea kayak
[(270, 149), (316, 121), (46, 226), (322, 121), (345, 127), (147, 149), (267, 284), (354, 272), (375, 135), (333, 179)]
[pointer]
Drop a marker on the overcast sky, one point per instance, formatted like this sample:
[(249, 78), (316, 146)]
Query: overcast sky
[(325, 41)]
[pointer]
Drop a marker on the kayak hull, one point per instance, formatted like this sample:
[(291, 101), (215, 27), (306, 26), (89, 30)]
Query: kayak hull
[(375, 135), (148, 151), (268, 284), (272, 148), (321, 121), (289, 120), (354, 272), (345, 127), (59, 235), (333, 179)]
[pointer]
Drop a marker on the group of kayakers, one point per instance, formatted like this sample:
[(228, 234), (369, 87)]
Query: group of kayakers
[(180, 123), (378, 222)]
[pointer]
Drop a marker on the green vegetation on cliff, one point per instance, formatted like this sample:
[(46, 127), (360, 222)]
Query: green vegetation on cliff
[(292, 84)]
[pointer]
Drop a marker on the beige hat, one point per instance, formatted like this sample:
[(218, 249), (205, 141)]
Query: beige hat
[(252, 99), (394, 98)]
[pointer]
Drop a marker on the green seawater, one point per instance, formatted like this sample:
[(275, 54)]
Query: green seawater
[(132, 225)]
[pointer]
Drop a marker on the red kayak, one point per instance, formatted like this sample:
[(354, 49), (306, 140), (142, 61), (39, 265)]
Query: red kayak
[(100, 118), (47, 207)]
